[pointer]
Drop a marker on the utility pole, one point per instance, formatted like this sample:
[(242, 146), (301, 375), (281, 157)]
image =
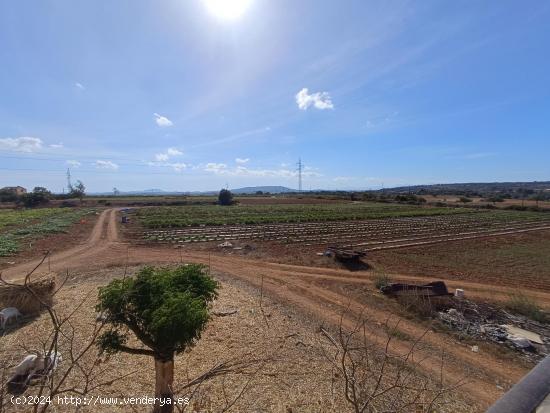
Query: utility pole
[(69, 184), (300, 168)]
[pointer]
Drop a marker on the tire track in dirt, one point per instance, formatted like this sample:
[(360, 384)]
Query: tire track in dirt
[(102, 236), (328, 306)]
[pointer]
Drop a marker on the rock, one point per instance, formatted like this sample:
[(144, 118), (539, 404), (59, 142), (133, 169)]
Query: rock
[(529, 335), (475, 349), (519, 341), (225, 244), (225, 313)]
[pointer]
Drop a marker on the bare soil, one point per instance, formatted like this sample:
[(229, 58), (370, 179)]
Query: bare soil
[(74, 235), (321, 294)]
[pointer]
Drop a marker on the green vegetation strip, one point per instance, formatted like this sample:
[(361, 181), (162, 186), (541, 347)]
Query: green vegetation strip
[(194, 215), (26, 225), (12, 217)]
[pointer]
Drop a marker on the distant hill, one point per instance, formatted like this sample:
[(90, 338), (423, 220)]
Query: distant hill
[(254, 189), (479, 188), (238, 191)]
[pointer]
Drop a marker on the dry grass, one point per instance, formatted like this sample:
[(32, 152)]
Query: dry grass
[(286, 369), (521, 304), (26, 301)]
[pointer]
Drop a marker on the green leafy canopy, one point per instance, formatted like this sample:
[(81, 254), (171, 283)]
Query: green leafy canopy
[(165, 308)]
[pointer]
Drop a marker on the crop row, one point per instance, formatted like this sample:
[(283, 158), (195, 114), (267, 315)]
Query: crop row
[(195, 215), (12, 217), (357, 232), (52, 222)]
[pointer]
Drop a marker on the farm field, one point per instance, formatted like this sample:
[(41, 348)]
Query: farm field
[(320, 296), (520, 260), (170, 217), (21, 226), (389, 226)]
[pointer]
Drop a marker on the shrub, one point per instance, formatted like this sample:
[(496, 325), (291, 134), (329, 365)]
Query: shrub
[(381, 280), (521, 304), (418, 304), (225, 197)]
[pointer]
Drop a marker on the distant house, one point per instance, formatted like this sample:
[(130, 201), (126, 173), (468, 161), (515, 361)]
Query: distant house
[(16, 190)]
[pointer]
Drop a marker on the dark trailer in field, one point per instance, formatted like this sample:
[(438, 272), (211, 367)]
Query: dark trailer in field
[(433, 289), (346, 254)]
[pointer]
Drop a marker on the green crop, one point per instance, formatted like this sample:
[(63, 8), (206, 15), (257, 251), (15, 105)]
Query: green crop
[(19, 226)]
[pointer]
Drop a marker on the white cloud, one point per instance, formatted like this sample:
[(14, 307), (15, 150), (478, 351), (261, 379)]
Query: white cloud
[(319, 100), (174, 152), (106, 165), (21, 144), (162, 121), (178, 167), (79, 86), (161, 157), (242, 160), (217, 168), (73, 163), (240, 170), (56, 145)]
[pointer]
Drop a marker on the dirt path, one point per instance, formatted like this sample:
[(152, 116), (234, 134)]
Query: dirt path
[(297, 286)]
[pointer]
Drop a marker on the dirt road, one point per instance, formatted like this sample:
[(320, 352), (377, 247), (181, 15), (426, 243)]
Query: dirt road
[(485, 373)]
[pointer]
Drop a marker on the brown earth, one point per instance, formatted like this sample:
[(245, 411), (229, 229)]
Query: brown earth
[(74, 235), (311, 290)]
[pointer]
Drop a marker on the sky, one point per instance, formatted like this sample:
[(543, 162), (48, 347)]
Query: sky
[(187, 95)]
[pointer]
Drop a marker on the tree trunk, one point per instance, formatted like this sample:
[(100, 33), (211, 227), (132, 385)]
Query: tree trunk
[(164, 380)]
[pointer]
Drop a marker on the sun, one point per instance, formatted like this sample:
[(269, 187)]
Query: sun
[(227, 9)]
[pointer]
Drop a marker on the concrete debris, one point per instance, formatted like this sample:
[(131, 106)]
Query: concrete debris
[(529, 335), (519, 342), (459, 293), (482, 321)]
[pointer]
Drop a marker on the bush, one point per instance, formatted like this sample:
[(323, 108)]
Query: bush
[(418, 305), (521, 304), (225, 197), (381, 280), (8, 196), (465, 199)]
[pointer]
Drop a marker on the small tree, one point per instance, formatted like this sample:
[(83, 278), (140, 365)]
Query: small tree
[(77, 191), (38, 196), (166, 309), (225, 197)]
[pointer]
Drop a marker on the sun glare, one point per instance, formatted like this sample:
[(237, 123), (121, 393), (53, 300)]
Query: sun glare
[(227, 9)]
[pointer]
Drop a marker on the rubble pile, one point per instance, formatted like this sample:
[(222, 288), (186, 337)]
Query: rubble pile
[(486, 322)]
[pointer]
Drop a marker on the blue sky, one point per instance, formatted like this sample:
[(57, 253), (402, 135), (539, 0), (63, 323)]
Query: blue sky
[(169, 94)]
